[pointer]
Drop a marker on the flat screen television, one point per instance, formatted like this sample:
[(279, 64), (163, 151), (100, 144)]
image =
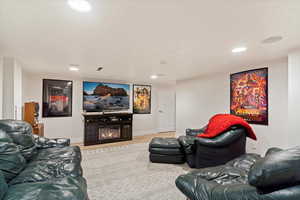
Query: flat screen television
[(100, 96)]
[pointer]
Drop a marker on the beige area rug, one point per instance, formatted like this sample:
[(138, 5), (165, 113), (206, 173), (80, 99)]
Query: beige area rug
[(125, 173)]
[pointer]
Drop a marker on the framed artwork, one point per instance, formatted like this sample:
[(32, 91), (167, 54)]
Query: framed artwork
[(142, 99), (57, 98), (249, 95)]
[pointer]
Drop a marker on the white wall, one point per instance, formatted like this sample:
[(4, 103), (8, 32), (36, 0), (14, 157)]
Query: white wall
[(72, 127), (144, 124), (197, 100), (294, 97), (1, 86), (166, 108)]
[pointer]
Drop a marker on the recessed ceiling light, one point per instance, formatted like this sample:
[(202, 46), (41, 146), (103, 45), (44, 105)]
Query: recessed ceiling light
[(272, 39), (239, 49), (80, 5), (154, 77), (74, 69)]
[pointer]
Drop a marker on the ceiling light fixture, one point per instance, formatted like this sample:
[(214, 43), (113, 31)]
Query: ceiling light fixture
[(154, 77), (75, 69), (239, 49), (80, 5)]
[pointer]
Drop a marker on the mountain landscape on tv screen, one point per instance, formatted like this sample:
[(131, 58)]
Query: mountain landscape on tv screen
[(105, 96)]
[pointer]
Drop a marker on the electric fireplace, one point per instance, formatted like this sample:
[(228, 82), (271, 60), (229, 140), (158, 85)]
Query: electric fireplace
[(107, 128)]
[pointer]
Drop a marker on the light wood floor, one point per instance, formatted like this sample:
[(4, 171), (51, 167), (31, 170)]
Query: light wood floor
[(136, 139)]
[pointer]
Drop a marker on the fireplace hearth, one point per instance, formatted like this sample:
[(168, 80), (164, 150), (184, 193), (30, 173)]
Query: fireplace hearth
[(107, 128)]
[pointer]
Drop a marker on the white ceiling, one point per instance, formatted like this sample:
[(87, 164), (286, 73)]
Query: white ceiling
[(130, 38)]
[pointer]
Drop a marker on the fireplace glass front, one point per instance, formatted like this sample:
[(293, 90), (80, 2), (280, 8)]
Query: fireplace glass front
[(109, 132)]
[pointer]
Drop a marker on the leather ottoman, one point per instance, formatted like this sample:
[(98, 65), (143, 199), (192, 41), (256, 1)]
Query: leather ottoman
[(166, 150)]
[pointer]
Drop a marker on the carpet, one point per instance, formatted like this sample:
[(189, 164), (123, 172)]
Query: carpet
[(125, 173)]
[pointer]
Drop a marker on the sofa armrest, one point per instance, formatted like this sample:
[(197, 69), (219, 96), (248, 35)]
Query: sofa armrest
[(44, 143), (272, 150), (194, 132), (224, 139), (187, 143)]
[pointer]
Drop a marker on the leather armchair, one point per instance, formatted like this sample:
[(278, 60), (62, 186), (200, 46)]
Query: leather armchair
[(206, 152)]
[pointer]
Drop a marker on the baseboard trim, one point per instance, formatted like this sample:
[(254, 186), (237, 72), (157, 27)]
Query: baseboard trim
[(144, 132)]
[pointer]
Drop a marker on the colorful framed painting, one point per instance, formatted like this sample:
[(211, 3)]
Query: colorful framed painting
[(57, 98), (249, 95), (142, 99)]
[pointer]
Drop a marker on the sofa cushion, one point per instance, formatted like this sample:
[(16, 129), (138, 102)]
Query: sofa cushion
[(245, 161), (51, 163), (164, 151), (68, 188), (11, 160), (170, 159), (223, 175), (3, 185), (57, 153), (21, 134), (168, 143), (277, 169), (44, 143)]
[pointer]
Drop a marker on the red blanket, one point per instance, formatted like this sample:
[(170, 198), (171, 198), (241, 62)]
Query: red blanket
[(222, 122)]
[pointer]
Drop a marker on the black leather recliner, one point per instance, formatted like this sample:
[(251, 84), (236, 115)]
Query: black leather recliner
[(37, 168), (249, 177), (206, 152)]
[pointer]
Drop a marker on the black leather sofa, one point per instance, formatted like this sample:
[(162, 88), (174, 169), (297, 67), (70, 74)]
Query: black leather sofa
[(249, 177), (207, 152), (37, 168)]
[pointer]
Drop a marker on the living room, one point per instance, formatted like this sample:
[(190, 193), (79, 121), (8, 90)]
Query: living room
[(149, 100)]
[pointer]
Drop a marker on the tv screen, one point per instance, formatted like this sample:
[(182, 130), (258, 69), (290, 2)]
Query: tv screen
[(99, 96)]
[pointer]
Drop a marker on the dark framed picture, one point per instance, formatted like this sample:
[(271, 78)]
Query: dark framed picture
[(249, 95), (57, 98), (142, 99)]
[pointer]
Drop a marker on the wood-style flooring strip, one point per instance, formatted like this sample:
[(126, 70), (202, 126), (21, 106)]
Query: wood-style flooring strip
[(136, 139)]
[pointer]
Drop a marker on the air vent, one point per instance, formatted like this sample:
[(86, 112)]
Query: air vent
[(99, 69), (271, 40)]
